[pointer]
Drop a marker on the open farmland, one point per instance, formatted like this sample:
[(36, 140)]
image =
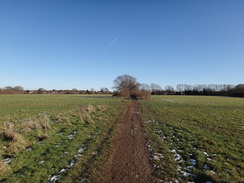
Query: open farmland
[(196, 138), (98, 138), (44, 136)]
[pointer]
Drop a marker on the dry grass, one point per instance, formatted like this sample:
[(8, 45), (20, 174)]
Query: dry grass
[(81, 113), (90, 109), (17, 142), (9, 132), (84, 114), (29, 125), (3, 166), (102, 107), (41, 135)]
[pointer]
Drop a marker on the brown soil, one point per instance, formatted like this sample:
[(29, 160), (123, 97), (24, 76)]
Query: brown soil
[(129, 161)]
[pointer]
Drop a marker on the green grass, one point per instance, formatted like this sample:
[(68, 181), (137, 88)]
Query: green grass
[(201, 138), (44, 134)]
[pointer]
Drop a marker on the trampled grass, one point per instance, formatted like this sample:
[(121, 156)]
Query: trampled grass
[(196, 138), (42, 137)]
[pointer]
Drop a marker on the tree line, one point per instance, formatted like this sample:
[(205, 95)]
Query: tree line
[(128, 86), (197, 89), (20, 90)]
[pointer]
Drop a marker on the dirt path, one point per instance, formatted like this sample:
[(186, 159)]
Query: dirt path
[(129, 161)]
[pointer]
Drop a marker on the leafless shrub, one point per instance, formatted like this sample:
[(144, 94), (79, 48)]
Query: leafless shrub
[(141, 94)]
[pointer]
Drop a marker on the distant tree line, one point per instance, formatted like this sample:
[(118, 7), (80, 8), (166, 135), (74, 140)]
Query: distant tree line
[(126, 85), (199, 89), (12, 90), (211, 90), (184, 89), (20, 90)]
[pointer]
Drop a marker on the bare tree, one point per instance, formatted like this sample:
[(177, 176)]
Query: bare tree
[(125, 85), (145, 87), (104, 90), (41, 91), (156, 89), (18, 88)]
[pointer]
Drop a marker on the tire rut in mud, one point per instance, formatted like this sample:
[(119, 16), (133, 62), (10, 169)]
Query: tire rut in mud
[(129, 159)]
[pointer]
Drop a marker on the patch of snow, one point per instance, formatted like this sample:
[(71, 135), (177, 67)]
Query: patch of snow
[(156, 158), (177, 157), (213, 172), (193, 162), (53, 179), (149, 148), (71, 163), (189, 168), (70, 136), (29, 149), (163, 138), (149, 121), (63, 170), (41, 162), (78, 155), (7, 160), (81, 149), (205, 153), (184, 173)]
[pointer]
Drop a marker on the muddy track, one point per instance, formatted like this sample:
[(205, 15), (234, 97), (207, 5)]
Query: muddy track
[(129, 160)]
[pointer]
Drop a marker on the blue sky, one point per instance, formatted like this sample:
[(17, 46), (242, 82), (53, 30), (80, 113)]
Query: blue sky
[(61, 44)]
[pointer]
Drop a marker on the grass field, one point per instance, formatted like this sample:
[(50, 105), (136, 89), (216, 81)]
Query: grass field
[(44, 136), (196, 138)]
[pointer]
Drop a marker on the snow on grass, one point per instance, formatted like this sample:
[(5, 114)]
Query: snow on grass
[(7, 160), (55, 178)]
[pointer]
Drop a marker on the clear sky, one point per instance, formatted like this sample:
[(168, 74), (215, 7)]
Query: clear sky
[(83, 44)]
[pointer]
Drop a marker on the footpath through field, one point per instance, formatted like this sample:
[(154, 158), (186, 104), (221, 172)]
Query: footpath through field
[(129, 161)]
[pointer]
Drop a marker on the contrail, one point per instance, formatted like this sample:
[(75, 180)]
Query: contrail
[(111, 44)]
